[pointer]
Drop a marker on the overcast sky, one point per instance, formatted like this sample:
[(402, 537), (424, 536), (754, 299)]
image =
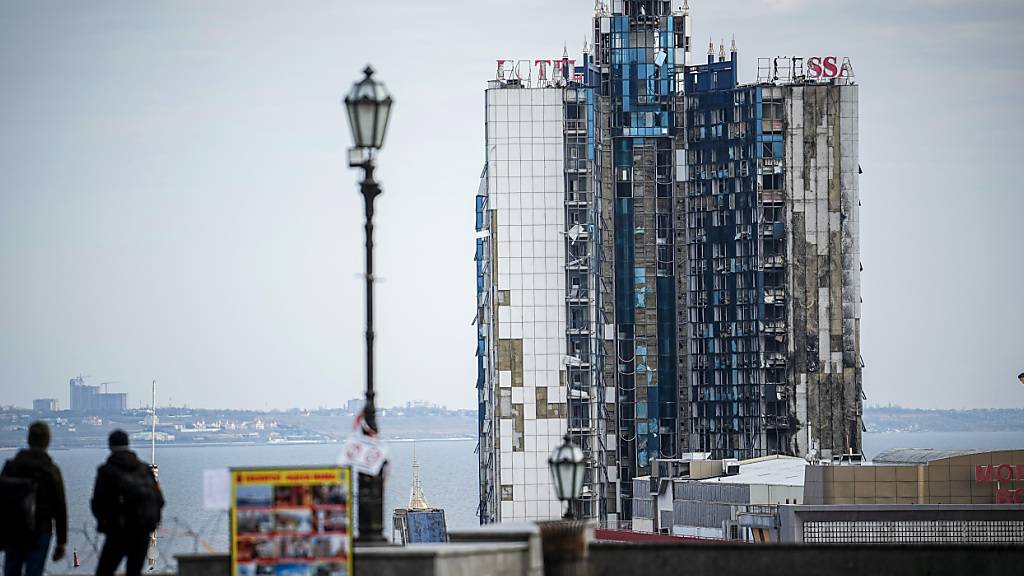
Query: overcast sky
[(175, 202)]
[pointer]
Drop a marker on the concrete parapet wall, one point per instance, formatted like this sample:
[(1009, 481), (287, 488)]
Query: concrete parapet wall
[(619, 559), (204, 564), (527, 533), (497, 559)]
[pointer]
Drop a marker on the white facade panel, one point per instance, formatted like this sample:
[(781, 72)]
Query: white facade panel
[(525, 148)]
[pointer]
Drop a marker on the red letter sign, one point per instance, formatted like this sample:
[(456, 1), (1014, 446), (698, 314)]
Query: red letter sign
[(830, 67), (814, 66), (984, 473)]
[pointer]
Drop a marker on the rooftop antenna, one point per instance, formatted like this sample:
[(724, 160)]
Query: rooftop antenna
[(152, 435), (152, 551)]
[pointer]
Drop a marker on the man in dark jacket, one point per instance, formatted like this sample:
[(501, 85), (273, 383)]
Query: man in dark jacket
[(123, 502), (28, 555)]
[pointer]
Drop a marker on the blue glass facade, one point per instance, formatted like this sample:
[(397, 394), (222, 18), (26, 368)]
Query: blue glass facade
[(640, 47), (725, 247)]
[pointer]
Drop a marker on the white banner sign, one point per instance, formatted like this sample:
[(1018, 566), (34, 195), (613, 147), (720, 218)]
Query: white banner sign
[(364, 454), (217, 489)]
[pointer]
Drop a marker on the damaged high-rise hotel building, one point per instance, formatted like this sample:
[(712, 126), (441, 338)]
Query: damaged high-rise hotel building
[(539, 338), (667, 262)]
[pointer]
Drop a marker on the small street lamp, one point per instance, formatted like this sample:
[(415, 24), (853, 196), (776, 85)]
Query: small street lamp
[(369, 107), (566, 466)]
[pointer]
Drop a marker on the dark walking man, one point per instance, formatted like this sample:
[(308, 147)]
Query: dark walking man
[(126, 503), (34, 471)]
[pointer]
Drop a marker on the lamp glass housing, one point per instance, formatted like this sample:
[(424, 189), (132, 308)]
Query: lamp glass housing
[(369, 109), (566, 467)]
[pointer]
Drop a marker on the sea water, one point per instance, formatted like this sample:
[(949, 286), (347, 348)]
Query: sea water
[(448, 470)]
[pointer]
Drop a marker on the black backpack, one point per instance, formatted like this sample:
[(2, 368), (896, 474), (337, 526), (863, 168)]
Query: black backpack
[(17, 508), (140, 501)]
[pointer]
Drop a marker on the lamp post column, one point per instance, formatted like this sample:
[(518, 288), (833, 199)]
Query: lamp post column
[(369, 107), (371, 488)]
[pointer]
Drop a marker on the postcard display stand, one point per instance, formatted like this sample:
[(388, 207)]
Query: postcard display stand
[(291, 521)]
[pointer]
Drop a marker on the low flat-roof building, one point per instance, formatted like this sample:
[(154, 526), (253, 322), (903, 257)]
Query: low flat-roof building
[(922, 476), (903, 496), (704, 498)]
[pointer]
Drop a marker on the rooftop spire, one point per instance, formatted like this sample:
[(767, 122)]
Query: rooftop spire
[(733, 48), (721, 50), (711, 47), (416, 500)]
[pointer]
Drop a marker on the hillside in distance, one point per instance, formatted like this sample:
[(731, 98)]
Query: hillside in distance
[(898, 419)]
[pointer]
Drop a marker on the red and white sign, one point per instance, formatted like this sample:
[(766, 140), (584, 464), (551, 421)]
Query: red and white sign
[(364, 454), (804, 69)]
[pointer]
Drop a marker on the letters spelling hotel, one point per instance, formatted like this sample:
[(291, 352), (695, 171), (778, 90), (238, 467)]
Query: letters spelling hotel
[(668, 264)]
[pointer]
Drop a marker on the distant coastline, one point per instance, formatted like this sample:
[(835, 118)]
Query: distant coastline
[(899, 419), (179, 426), (182, 427)]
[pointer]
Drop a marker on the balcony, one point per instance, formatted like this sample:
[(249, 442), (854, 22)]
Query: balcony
[(578, 330), (771, 126), (576, 166), (580, 424), (576, 295), (773, 196), (575, 126), (577, 199)]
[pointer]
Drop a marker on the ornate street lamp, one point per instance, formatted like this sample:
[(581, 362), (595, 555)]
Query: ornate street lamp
[(369, 108), (566, 466)]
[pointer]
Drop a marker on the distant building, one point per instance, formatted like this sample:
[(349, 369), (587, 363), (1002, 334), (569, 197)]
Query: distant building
[(354, 405), (85, 398), (704, 498), (922, 476), (45, 405), (903, 496), (667, 263), (148, 436)]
